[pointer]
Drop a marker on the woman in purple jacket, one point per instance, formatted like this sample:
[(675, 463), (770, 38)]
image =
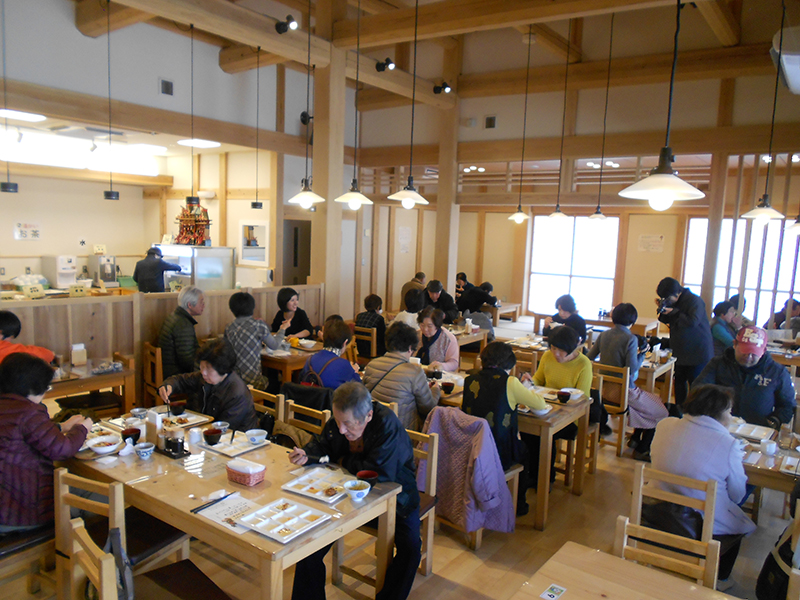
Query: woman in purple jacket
[(30, 442)]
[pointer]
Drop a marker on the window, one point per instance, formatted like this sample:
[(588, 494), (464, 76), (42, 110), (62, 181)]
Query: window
[(574, 255), (768, 268)]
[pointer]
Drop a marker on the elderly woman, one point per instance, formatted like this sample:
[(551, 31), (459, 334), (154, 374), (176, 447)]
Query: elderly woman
[(391, 378), (299, 325), (568, 316), (414, 302), (30, 442), (328, 364), (439, 347), (699, 446), (619, 347), (215, 390)]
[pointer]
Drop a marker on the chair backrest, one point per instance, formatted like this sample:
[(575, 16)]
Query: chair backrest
[(597, 383), (152, 370), (268, 403), (426, 447), (615, 383), (351, 351), (642, 475), (368, 335), (318, 417), (691, 558), (527, 361), (392, 406), (793, 591), (98, 566)]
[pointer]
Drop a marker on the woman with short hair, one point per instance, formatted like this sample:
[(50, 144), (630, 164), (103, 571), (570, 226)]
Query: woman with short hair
[(300, 326), (439, 346), (372, 318), (723, 330), (567, 316), (332, 369), (563, 365)]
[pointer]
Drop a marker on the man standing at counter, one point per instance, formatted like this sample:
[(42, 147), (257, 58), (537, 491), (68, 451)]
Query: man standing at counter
[(149, 272), (178, 341)]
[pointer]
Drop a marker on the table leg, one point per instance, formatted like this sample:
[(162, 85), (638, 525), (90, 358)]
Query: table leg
[(515, 314), (580, 453), (271, 579), (650, 386), (384, 546), (495, 316), (483, 341), (128, 394), (666, 391), (543, 483)]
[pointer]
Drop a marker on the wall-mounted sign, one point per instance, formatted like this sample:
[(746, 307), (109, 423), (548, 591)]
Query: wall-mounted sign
[(27, 231), (651, 243)]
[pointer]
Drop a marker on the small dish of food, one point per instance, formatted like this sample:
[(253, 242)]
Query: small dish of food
[(104, 444)]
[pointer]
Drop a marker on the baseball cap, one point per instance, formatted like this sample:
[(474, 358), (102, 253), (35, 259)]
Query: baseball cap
[(154, 251), (752, 340)]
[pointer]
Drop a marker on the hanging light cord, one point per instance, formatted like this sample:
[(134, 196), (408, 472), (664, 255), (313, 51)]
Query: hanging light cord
[(674, 68), (413, 96), (525, 117), (258, 105), (358, 64), (308, 91), (191, 32), (775, 97), (5, 92), (605, 113), (564, 117), (108, 47)]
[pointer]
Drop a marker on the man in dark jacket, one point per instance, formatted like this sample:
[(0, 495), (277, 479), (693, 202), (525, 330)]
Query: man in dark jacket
[(764, 392), (436, 296), (472, 298), (177, 340), (689, 332), (367, 435), (149, 272)]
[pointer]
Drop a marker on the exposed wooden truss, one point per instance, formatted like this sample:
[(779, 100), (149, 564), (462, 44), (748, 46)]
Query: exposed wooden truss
[(551, 41), (722, 21)]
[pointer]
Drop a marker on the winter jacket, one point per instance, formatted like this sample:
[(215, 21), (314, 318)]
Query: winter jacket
[(470, 482), (29, 443), (405, 384), (149, 273), (574, 321), (336, 371), (387, 451), (473, 298), (723, 335), (178, 343), (230, 400), (761, 391), (8, 347), (689, 331), (445, 303)]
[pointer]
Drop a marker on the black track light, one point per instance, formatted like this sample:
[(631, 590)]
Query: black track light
[(381, 66), (438, 89), (284, 26)]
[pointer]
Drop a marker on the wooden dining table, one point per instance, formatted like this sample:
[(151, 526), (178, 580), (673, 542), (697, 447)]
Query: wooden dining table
[(651, 373), (588, 574), (288, 364), (170, 488), (79, 380)]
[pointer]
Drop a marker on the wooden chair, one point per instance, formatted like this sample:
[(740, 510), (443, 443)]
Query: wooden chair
[(272, 404), (566, 448), (28, 554), (426, 448), (351, 352), (793, 592), (367, 335), (615, 399), (152, 373), (147, 540), (176, 580), (527, 362), (394, 407), (698, 559), (290, 409)]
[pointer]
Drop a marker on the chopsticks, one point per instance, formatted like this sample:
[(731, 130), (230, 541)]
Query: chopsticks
[(211, 503)]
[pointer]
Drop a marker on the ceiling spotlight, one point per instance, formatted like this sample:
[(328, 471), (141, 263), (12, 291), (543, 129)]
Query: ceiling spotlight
[(466, 169), (473, 168), (481, 169), (438, 89), (381, 66), (284, 26)]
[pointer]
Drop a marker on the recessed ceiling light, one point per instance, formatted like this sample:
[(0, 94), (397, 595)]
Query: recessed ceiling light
[(767, 159), (473, 168), (198, 143), (795, 158), (609, 163), (16, 115), (590, 164), (481, 169), (466, 169), (596, 166)]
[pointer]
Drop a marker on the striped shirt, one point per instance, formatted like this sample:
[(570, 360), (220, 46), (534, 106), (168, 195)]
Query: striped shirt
[(246, 335)]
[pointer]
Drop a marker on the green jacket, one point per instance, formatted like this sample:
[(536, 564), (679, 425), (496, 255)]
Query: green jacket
[(178, 343)]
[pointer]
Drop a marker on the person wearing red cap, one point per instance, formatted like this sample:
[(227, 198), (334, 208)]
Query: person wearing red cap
[(763, 390)]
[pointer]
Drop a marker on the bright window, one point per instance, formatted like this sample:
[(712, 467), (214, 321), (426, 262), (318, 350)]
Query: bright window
[(577, 256)]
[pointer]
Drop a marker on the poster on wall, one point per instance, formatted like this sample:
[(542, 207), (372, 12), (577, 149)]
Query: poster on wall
[(27, 231), (651, 243), (404, 239)]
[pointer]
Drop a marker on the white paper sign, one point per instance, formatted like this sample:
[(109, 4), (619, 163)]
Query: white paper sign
[(651, 243), (404, 239), (27, 231)]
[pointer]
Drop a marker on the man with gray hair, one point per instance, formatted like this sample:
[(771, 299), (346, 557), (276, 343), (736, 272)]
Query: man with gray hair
[(365, 435), (177, 340)]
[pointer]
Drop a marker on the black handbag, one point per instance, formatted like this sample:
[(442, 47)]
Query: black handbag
[(673, 518)]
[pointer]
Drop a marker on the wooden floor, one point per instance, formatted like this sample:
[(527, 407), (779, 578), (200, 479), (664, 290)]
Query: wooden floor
[(506, 561)]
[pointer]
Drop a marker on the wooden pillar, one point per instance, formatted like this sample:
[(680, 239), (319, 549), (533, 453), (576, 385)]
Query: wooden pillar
[(162, 211), (447, 211), (223, 199), (276, 207), (329, 117)]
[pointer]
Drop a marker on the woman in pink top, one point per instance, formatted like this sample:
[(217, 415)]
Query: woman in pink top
[(439, 347)]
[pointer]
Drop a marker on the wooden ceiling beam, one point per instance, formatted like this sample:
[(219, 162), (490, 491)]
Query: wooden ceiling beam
[(454, 17), (199, 35), (92, 17), (723, 22), (239, 58), (551, 41), (716, 63), (374, 99), (238, 24)]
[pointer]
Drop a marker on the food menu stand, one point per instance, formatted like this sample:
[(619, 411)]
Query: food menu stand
[(165, 489), (124, 383)]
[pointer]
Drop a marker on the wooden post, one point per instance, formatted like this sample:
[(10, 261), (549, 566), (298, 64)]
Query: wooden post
[(223, 199), (276, 212)]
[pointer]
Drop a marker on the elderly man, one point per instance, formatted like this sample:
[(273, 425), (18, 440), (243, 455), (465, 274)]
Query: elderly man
[(763, 390), (177, 340), (366, 435), (418, 283), (436, 296), (149, 272)]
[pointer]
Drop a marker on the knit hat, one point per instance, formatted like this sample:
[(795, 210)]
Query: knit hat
[(752, 340)]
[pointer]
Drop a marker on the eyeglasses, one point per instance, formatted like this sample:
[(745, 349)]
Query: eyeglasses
[(49, 389)]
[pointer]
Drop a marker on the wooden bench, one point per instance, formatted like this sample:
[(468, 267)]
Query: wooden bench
[(506, 309)]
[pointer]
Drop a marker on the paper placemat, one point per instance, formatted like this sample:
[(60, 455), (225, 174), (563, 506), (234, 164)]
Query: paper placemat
[(283, 520), (240, 445), (225, 512)]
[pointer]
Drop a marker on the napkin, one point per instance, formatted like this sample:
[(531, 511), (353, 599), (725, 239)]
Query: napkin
[(127, 448), (245, 466)]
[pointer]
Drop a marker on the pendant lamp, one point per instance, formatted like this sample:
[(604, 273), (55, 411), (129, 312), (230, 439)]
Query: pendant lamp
[(763, 211), (7, 185), (409, 196), (192, 199), (519, 216), (257, 205), (354, 198), (662, 186), (557, 214), (305, 197), (109, 194), (598, 214)]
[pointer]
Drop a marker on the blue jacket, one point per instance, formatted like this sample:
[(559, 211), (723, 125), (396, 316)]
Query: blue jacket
[(763, 390), (338, 371), (689, 331)]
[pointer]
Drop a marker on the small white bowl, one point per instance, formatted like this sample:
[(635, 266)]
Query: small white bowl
[(307, 343), (357, 489), (104, 444), (221, 425), (256, 436), (144, 450), (574, 393)]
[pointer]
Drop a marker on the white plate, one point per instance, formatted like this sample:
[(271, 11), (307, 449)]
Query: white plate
[(114, 439), (574, 393), (283, 520), (314, 483)]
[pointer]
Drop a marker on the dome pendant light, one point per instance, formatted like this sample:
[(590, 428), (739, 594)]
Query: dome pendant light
[(557, 214), (662, 186), (6, 186), (598, 214), (257, 205), (519, 216), (305, 197), (354, 198), (109, 194), (192, 200), (409, 196), (763, 211)]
